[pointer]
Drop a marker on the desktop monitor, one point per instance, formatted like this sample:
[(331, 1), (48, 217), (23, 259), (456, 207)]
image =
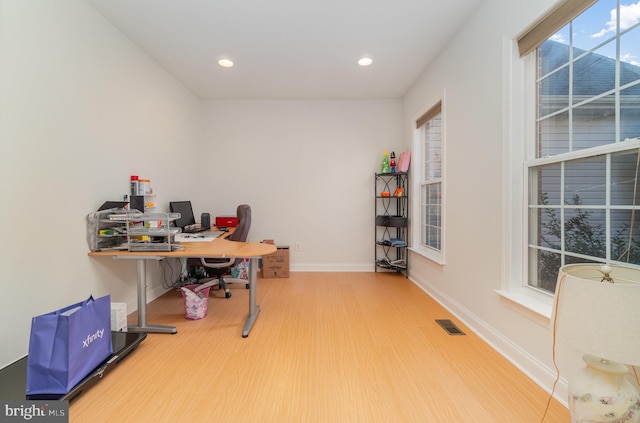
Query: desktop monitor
[(186, 213), (113, 205)]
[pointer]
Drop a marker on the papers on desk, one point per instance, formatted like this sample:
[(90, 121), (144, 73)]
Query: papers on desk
[(198, 237), (120, 247)]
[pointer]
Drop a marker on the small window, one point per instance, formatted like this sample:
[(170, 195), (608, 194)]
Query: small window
[(430, 143)]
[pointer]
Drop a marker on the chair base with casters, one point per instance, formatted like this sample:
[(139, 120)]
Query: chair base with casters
[(213, 274), (221, 266)]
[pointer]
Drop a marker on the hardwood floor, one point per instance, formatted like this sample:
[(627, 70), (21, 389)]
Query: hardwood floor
[(326, 347)]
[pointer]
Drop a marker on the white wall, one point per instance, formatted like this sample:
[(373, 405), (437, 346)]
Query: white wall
[(306, 168), (470, 70), (81, 109)]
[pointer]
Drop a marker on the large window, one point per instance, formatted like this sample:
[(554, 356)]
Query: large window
[(429, 132), (582, 167)]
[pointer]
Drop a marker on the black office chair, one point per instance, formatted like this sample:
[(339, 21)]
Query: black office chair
[(220, 267)]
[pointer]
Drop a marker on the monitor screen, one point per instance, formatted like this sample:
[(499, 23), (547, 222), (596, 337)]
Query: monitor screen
[(186, 213), (113, 205)]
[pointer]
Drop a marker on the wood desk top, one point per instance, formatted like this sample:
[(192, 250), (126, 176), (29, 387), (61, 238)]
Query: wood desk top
[(219, 247)]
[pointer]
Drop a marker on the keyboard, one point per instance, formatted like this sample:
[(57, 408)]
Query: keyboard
[(193, 230), (201, 237)]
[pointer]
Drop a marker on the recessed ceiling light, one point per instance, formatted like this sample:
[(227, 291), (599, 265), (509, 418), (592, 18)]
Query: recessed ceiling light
[(365, 61), (225, 63)]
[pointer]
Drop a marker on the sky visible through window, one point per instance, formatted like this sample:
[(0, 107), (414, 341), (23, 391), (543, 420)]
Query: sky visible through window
[(598, 24)]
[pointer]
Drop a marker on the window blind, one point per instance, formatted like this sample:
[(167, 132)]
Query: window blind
[(550, 23), (430, 114)]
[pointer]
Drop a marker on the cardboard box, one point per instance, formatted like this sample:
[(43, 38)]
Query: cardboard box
[(276, 265)]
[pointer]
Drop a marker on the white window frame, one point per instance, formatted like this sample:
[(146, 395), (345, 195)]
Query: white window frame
[(435, 255), (519, 120)]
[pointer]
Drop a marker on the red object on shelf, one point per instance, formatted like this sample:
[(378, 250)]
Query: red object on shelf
[(226, 221)]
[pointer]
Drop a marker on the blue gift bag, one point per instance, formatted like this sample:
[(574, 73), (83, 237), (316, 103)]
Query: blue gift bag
[(67, 344)]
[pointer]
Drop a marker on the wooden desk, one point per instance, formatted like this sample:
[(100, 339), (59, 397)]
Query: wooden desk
[(218, 248)]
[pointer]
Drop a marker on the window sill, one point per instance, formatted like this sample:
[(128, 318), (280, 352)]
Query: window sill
[(533, 308), (428, 254)]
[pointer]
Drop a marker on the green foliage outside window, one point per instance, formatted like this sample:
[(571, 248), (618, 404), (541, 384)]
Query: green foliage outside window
[(582, 235)]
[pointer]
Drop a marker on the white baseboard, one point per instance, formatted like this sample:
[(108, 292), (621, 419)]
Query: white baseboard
[(529, 365), (156, 292), (152, 294), (342, 267)]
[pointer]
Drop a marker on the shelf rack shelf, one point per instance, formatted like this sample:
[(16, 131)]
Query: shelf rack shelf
[(392, 222), (144, 231)]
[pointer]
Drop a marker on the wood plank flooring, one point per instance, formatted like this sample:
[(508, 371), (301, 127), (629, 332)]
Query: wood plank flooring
[(326, 347)]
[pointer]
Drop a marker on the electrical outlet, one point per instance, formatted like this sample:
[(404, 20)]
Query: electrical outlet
[(296, 246)]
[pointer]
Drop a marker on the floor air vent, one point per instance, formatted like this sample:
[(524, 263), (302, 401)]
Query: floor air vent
[(450, 327)]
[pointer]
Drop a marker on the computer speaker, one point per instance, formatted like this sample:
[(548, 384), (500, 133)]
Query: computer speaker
[(205, 220)]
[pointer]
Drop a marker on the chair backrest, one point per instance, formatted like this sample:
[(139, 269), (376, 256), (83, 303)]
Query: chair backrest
[(244, 224)]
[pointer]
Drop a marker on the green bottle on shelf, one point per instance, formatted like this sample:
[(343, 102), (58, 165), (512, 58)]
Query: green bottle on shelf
[(385, 163)]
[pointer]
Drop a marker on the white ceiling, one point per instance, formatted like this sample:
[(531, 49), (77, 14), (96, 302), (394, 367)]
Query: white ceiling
[(290, 49)]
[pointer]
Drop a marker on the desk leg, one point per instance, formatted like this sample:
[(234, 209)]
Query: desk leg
[(254, 309), (142, 325)]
